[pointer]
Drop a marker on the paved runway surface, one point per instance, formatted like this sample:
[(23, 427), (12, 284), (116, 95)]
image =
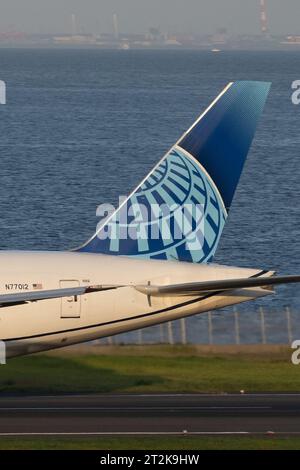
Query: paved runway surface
[(139, 414)]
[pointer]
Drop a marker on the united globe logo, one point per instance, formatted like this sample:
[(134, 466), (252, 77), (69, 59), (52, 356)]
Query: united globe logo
[(176, 213)]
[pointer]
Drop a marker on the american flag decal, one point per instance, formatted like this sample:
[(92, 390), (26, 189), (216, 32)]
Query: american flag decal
[(37, 286)]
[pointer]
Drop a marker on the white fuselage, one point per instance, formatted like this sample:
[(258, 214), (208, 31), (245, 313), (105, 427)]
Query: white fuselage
[(47, 324)]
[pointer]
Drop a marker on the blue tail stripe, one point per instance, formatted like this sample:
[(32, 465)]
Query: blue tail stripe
[(220, 141)]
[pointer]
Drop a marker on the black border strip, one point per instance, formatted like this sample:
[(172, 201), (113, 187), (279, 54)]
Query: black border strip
[(136, 317)]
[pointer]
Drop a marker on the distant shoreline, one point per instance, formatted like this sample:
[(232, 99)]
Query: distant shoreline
[(284, 48)]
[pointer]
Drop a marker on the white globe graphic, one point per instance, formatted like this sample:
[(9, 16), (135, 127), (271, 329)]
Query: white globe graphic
[(177, 182)]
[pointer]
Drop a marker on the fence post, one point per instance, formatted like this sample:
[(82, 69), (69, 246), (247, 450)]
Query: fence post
[(263, 326), (170, 333), (140, 337), (237, 326), (183, 330), (210, 328), (289, 325), (110, 340)]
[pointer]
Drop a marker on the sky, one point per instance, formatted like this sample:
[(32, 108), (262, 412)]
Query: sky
[(197, 16)]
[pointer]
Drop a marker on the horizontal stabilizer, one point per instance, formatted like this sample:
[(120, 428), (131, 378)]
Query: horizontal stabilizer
[(199, 288)]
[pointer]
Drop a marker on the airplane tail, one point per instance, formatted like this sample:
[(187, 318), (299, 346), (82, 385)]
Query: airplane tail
[(179, 210)]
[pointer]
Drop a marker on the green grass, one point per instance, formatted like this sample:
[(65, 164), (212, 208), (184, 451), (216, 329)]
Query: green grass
[(152, 443), (150, 370)]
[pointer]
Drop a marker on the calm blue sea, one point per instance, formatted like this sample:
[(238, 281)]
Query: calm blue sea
[(82, 126)]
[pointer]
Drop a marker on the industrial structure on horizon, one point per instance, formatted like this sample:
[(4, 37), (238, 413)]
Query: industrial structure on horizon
[(263, 17), (154, 38)]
